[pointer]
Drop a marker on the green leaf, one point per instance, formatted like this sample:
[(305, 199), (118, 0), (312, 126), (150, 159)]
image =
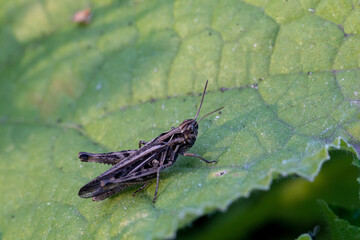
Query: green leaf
[(339, 228), (304, 236), (289, 208), (289, 84)]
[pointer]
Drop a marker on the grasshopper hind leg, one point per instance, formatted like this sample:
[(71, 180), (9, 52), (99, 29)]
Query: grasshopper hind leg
[(110, 158)]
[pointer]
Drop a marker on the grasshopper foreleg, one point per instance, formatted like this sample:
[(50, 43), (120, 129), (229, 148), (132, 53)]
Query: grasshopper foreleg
[(197, 156)]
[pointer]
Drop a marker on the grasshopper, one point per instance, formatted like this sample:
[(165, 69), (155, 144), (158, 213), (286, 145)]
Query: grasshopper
[(142, 166)]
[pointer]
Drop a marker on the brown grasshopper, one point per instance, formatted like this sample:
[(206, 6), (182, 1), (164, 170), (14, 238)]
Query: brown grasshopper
[(141, 166)]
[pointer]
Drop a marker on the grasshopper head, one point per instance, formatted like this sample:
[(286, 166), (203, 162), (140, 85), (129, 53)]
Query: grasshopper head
[(189, 129)]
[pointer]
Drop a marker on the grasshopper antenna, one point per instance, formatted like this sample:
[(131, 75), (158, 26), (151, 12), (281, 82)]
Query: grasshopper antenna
[(209, 114), (202, 99)]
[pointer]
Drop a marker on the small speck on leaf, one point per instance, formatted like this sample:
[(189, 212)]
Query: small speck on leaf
[(218, 174)]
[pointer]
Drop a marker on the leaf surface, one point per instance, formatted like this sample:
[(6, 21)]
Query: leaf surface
[(288, 80)]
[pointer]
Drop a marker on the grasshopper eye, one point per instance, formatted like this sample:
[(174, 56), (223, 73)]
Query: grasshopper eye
[(196, 129)]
